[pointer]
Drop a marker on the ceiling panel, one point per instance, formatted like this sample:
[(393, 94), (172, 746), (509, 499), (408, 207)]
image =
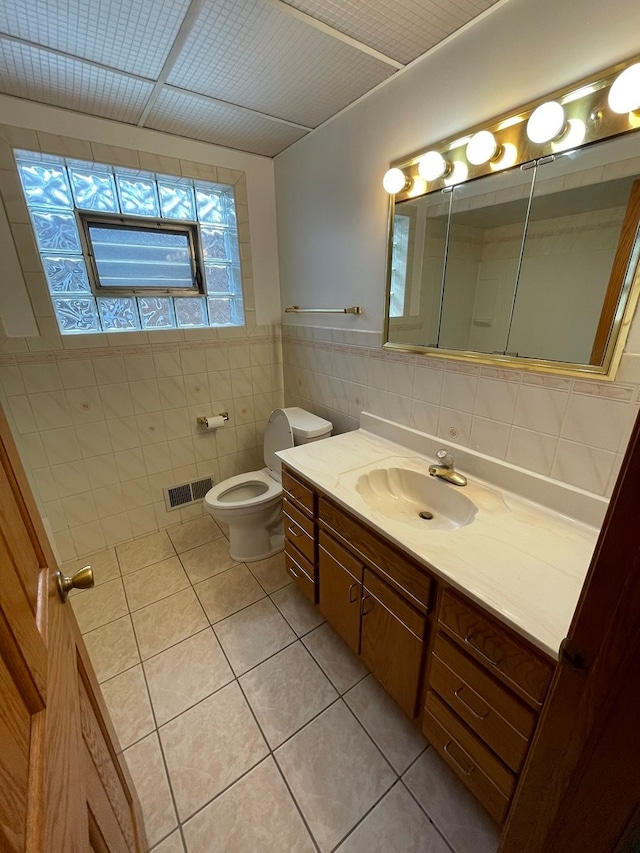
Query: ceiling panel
[(403, 29), (40, 75), (197, 118), (253, 54), (130, 35)]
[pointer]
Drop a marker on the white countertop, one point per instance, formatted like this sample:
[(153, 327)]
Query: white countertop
[(521, 561)]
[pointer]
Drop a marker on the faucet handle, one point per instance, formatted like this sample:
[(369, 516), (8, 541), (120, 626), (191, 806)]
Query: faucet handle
[(444, 458)]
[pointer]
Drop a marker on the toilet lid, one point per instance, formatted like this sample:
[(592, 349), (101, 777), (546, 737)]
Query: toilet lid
[(277, 436)]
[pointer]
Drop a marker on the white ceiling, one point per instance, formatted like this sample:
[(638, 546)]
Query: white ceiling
[(255, 75)]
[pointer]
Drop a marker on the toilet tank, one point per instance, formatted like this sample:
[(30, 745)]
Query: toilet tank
[(307, 427)]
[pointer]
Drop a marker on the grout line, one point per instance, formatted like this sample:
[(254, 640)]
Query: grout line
[(424, 811)]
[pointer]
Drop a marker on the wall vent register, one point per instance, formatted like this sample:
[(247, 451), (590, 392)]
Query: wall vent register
[(186, 493)]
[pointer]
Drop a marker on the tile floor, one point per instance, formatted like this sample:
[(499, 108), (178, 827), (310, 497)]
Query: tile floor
[(247, 724)]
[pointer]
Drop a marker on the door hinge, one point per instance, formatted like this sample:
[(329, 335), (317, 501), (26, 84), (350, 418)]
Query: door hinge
[(571, 655)]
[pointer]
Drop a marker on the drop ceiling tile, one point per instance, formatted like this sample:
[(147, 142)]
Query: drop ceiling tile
[(197, 118), (253, 54), (40, 75), (130, 36), (402, 30)]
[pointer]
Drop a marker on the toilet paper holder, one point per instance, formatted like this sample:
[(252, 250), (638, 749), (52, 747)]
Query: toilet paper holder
[(201, 419)]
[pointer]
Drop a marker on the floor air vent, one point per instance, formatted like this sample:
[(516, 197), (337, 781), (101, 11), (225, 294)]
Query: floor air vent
[(177, 496)]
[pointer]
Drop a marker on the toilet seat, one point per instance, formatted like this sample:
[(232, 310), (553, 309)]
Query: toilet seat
[(244, 491)]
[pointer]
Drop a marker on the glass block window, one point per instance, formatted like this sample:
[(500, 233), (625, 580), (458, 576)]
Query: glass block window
[(129, 250)]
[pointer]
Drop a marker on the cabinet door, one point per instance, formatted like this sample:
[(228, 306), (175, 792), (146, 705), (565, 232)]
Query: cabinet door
[(340, 591), (390, 647)]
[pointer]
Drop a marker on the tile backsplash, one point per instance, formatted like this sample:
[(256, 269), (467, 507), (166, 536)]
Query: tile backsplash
[(572, 430)]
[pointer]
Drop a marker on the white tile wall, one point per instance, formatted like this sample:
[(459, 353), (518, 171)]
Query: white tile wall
[(574, 430)]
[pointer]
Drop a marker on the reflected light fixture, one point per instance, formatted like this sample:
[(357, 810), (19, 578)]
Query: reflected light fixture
[(624, 94), (573, 136), (507, 158), (483, 148), (458, 173), (546, 122), (432, 166), (395, 181)]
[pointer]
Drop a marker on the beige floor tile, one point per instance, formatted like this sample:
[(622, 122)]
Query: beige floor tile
[(112, 648), (155, 582), (207, 560), (228, 592), (166, 622), (144, 760), (172, 844), (287, 691), (337, 660), (252, 635), (399, 741), (335, 773), (255, 814), (297, 609), (210, 746), (458, 816), (396, 823), (193, 533), (145, 551), (96, 607), (271, 573), (186, 673), (129, 707), (104, 564)]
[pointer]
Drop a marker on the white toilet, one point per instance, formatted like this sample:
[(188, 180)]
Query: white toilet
[(251, 503)]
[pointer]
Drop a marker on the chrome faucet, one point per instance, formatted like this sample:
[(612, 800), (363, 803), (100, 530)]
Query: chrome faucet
[(444, 469)]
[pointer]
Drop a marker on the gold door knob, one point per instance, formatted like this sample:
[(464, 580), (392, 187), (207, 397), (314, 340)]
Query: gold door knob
[(82, 579)]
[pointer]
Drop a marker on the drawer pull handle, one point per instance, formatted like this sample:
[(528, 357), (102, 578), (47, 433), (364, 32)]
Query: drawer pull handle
[(353, 586), (481, 653), (363, 601), (465, 770), (467, 705), (293, 572), (294, 532)]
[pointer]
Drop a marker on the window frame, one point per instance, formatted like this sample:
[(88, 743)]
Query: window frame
[(86, 218)]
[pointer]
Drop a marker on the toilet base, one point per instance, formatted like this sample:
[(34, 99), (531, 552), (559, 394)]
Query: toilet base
[(249, 542)]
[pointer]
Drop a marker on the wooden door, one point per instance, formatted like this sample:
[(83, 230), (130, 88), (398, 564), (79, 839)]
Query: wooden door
[(391, 642), (63, 786), (580, 787), (340, 587)]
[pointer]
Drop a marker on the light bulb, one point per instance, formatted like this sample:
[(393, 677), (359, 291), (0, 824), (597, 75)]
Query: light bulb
[(432, 166), (458, 173), (573, 137), (546, 122), (506, 159), (482, 147), (624, 94), (394, 181)]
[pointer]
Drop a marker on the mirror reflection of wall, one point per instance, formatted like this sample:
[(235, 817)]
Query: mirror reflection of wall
[(526, 262)]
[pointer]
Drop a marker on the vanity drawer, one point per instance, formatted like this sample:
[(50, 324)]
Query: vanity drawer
[(346, 559), (396, 568), (468, 757), (298, 491), (496, 648), (487, 707), (299, 530), (301, 571)]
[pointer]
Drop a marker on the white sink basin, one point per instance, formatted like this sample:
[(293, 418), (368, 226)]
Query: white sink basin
[(402, 494)]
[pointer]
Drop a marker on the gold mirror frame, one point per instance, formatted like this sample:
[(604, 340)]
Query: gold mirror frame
[(584, 101)]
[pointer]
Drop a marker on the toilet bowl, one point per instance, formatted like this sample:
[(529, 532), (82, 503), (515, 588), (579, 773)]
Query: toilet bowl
[(251, 504)]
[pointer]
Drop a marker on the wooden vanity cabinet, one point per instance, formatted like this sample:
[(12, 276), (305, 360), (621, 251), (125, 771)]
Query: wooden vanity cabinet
[(362, 595), (299, 507), (485, 688)]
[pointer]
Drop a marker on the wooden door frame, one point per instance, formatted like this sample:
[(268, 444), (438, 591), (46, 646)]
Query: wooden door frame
[(588, 702)]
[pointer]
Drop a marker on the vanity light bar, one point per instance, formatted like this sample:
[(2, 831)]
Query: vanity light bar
[(588, 111)]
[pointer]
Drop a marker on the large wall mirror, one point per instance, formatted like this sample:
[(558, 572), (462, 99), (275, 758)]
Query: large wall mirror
[(534, 265)]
